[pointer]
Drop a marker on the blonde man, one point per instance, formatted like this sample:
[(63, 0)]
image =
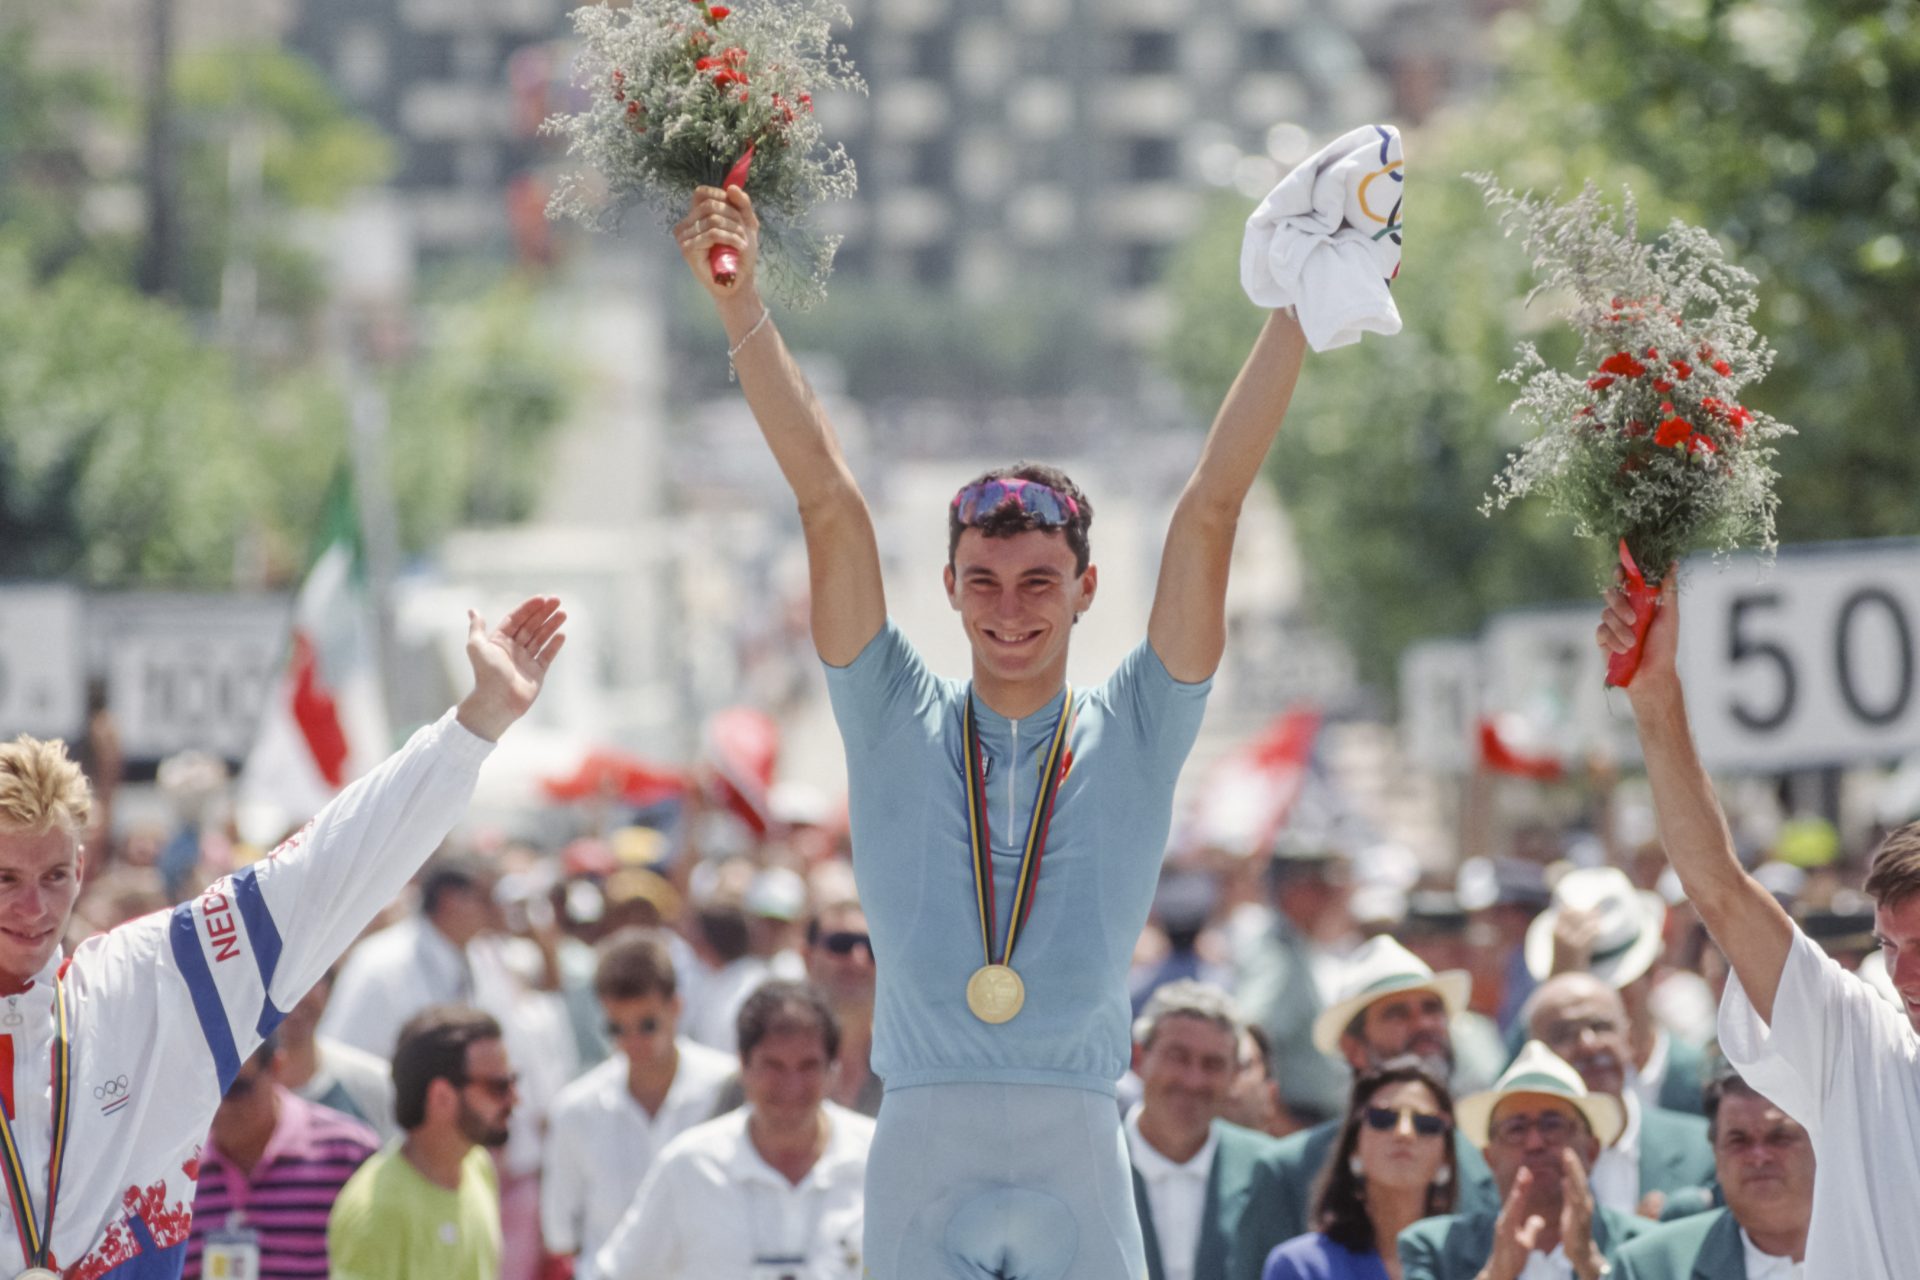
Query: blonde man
[(120, 1053)]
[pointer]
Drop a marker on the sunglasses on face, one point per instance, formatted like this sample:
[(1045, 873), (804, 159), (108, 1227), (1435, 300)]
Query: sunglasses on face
[(1045, 504), (639, 1027), (842, 941), (1554, 1128), (1426, 1124), (499, 1088)]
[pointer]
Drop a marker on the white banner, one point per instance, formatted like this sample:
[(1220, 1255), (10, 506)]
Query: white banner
[(43, 673), (1812, 662), (189, 671)]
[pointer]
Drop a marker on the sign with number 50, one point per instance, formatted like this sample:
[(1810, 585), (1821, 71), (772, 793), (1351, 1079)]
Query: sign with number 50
[(1809, 663)]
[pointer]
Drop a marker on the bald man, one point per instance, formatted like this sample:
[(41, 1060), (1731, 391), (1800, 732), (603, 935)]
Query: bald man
[(1583, 1020)]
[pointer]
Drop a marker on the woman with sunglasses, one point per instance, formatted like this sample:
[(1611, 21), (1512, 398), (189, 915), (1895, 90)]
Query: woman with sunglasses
[(1392, 1166)]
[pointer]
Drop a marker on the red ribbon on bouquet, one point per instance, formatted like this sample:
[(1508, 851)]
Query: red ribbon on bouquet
[(1646, 602), (723, 259)]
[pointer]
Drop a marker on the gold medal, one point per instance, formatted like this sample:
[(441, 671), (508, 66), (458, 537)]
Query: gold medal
[(39, 1273), (995, 993)]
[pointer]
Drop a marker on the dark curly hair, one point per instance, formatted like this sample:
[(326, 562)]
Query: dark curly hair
[(1339, 1201), (1008, 519)]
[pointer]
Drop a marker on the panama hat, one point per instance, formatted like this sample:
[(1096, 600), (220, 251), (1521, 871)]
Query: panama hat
[(1630, 925), (1539, 1070), (1382, 967)]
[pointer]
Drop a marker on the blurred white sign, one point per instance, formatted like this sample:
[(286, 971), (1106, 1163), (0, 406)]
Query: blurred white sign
[(43, 675), (187, 671), (1810, 663), (1440, 703), (1544, 666)]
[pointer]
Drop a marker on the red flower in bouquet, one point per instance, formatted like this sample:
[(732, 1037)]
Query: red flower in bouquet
[(1650, 316)]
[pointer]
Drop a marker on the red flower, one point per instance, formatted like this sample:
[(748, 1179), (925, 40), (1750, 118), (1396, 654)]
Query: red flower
[(633, 109), (1722, 368), (1599, 384), (718, 12), (1622, 364), (1653, 353), (1699, 443), (1681, 369), (1636, 428), (1666, 407), (806, 100), (1672, 432), (1738, 420), (705, 64), (1662, 385)]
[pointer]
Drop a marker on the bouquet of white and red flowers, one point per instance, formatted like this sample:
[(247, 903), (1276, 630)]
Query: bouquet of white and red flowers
[(686, 93), (1646, 444)]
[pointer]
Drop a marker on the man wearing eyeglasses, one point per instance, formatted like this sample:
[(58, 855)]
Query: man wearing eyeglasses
[(840, 963), (1540, 1129), (428, 1206), (1001, 1019), (607, 1126)]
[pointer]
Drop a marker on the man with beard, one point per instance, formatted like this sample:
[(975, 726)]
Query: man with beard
[(1540, 1129), (1766, 1166), (1390, 1004), (1582, 1019), (428, 1207)]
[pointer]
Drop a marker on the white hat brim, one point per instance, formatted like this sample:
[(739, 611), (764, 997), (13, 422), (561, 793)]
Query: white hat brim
[(1453, 986), (1616, 970), (1474, 1113)]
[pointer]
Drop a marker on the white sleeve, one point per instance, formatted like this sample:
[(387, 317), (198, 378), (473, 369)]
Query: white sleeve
[(645, 1245), (1828, 1027), (254, 942), (563, 1191)]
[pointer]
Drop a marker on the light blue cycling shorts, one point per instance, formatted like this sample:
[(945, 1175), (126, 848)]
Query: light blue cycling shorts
[(1000, 1182)]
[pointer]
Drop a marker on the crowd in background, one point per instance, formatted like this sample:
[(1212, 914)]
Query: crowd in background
[(627, 1056)]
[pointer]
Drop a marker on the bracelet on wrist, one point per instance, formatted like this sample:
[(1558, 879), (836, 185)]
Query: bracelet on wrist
[(766, 313)]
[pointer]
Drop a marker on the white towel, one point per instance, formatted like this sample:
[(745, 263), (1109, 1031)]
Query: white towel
[(1326, 241)]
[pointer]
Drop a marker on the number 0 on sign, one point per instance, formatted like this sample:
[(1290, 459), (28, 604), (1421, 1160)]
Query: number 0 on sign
[(1808, 664)]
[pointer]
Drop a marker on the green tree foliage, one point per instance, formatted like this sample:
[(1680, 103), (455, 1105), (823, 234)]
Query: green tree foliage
[(1790, 129)]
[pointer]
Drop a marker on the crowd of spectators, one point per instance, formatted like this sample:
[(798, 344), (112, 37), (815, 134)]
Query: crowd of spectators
[(620, 1058)]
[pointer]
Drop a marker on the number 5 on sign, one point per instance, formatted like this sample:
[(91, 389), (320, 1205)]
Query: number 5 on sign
[(1813, 662)]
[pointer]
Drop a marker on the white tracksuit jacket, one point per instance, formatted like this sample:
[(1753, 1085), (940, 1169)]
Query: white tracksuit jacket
[(166, 1007)]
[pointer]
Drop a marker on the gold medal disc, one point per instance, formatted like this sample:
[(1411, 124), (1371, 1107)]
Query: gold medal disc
[(39, 1273), (995, 993)]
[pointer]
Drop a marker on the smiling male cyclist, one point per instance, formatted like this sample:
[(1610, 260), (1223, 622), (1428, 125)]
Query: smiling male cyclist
[(1001, 1019)]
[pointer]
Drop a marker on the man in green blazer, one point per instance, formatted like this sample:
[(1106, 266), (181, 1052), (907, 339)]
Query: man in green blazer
[(1766, 1168), (1390, 1003), (1583, 1020), (1199, 1182), (1540, 1129)]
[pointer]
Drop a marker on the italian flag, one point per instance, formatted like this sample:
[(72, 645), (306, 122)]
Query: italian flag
[(325, 722)]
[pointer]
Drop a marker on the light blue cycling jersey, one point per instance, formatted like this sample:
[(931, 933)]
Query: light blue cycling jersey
[(912, 862)]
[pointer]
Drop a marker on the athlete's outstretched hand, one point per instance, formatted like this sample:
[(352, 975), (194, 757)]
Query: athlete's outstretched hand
[(720, 218), (509, 664)]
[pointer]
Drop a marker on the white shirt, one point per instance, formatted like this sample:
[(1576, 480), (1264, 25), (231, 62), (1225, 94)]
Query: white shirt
[(1177, 1195), (601, 1142), (711, 1206), (721, 993), (1846, 1065), (1616, 1174), (1768, 1266), (1646, 1082), (1548, 1266)]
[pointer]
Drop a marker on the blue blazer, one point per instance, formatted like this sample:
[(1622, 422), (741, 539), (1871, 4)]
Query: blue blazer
[(1703, 1247), (1315, 1257)]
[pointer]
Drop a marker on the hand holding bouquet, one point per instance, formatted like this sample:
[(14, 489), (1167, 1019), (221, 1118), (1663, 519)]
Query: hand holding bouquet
[(1646, 444), (683, 94)]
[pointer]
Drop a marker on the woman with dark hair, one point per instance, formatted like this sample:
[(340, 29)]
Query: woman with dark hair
[(1392, 1166)]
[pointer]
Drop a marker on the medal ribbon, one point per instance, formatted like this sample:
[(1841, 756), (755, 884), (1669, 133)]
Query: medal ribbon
[(35, 1239), (1029, 881)]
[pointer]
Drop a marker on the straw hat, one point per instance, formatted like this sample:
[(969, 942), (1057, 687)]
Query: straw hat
[(1540, 1071), (1382, 967), (1630, 925)]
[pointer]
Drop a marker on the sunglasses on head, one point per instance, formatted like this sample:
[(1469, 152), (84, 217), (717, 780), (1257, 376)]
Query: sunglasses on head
[(1045, 504), (842, 941), (1426, 1124)]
